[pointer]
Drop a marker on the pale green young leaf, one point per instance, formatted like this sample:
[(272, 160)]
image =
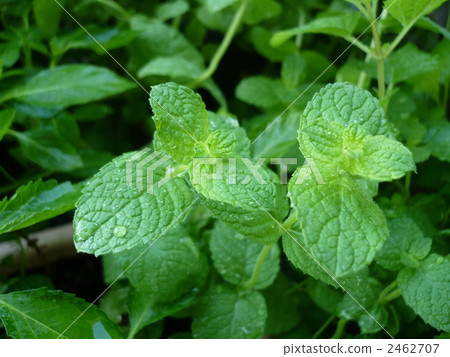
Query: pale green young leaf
[(235, 257), (346, 104), (172, 67), (165, 271), (218, 122), (340, 25), (426, 290), (181, 120), (172, 9), (70, 84), (36, 202), (333, 230), (6, 119), (221, 143), (405, 236), (259, 10), (376, 157), (409, 11), (32, 314), (226, 313), (113, 215), (293, 70)]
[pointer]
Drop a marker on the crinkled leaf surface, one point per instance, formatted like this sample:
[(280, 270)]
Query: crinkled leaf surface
[(408, 11), (165, 270), (181, 120), (112, 216), (226, 313), (341, 226), (426, 289)]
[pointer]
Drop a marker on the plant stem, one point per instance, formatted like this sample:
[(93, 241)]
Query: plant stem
[(289, 222), (324, 326), (387, 290), (6, 174), (301, 22), (391, 296), (408, 184), (258, 266), (379, 60), (223, 46), (340, 328)]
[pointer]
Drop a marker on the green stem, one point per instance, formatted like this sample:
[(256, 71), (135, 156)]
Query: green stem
[(408, 184), (388, 289), (223, 46), (379, 60), (324, 326), (296, 287), (258, 266), (360, 45), (290, 221), (301, 22), (339, 329), (391, 296)]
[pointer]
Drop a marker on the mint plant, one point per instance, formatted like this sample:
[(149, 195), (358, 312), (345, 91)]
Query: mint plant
[(295, 184)]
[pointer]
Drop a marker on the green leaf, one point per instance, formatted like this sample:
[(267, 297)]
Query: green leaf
[(70, 84), (181, 120), (6, 119), (325, 296), (262, 92), (259, 10), (47, 147), (218, 122), (218, 5), (144, 311), (376, 157), (44, 314), (36, 202), (426, 290), (409, 62), (346, 104), (437, 139), (235, 257), (405, 236), (110, 214), (409, 11), (166, 270), (281, 317), (170, 10), (341, 25), (261, 40), (293, 70), (172, 67), (9, 53), (334, 231), (47, 14), (227, 314)]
